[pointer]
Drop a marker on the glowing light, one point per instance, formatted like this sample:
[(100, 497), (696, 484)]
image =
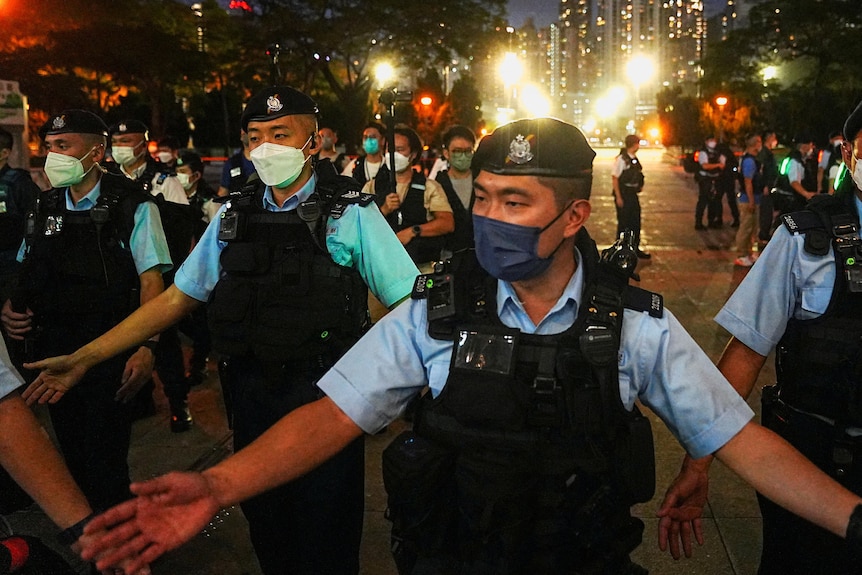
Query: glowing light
[(721, 101), (769, 73), (510, 69), (426, 100), (640, 69), (535, 101), (384, 72)]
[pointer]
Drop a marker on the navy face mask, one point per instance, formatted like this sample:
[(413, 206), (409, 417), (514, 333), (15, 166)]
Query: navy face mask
[(509, 251)]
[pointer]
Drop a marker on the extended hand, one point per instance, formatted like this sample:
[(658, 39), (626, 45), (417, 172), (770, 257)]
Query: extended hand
[(169, 511), (682, 509), (57, 376), (139, 370)]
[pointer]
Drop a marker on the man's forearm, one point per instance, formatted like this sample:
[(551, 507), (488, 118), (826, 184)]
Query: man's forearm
[(152, 318), (296, 444), (773, 467), (31, 459), (740, 365)]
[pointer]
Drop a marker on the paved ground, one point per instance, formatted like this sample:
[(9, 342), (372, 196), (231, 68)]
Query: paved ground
[(694, 272)]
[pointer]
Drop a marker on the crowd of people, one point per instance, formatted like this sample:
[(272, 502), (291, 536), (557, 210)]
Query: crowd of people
[(520, 349)]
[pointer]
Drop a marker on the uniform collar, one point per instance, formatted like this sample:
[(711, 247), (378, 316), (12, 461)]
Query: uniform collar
[(561, 316), (293, 201), (86, 202)]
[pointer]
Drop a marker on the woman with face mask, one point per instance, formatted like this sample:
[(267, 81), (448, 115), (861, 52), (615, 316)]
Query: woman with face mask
[(417, 209)]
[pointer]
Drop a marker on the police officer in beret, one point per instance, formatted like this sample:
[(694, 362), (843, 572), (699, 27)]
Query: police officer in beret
[(284, 268), (807, 290), (527, 450), (129, 139), (96, 251)]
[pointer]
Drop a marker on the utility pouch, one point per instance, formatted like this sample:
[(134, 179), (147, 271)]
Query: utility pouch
[(635, 459), (418, 475)]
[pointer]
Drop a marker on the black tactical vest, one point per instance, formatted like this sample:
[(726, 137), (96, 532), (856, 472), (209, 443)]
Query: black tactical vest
[(712, 157), (544, 459), (819, 361), (632, 178), (462, 237), (281, 297), (79, 276)]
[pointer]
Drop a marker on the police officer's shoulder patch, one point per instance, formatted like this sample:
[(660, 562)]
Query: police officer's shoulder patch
[(346, 198), (642, 300)]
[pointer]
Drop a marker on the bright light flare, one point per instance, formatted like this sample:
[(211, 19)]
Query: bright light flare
[(640, 69), (535, 102), (510, 69), (384, 72)]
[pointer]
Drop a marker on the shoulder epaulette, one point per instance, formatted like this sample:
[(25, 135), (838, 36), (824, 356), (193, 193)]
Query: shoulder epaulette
[(345, 198), (638, 299)]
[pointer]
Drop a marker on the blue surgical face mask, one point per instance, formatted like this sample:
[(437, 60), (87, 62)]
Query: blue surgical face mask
[(510, 252), (371, 145)]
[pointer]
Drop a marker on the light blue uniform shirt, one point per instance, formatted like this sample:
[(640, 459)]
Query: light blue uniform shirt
[(360, 239), (785, 282), (10, 379), (659, 364), (147, 241)]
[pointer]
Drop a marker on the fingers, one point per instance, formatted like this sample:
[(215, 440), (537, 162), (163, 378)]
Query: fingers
[(134, 555), (113, 516)]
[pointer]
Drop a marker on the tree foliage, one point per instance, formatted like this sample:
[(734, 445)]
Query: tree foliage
[(815, 48)]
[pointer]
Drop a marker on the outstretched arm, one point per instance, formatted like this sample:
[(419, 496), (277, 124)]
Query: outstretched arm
[(773, 467), (682, 508), (171, 509), (59, 374)]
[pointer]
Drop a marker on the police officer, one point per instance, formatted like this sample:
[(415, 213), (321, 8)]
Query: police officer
[(97, 251), (807, 290), (528, 448), (179, 221), (236, 169), (17, 197), (798, 173), (284, 270), (711, 166), (628, 181)]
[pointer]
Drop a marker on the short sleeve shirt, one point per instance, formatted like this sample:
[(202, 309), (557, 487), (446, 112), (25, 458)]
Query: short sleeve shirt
[(659, 364), (246, 168), (360, 239), (749, 170), (147, 241), (10, 379), (434, 198), (786, 282)]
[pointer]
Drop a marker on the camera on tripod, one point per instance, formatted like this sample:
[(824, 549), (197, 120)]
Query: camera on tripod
[(390, 96)]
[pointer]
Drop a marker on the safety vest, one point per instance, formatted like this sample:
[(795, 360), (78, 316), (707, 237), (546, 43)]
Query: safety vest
[(78, 276), (535, 459), (281, 297), (819, 361)]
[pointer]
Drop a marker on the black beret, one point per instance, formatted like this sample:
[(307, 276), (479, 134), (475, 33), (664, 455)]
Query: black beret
[(275, 102), (803, 138), (129, 127), (74, 122), (535, 147), (190, 159), (853, 125)]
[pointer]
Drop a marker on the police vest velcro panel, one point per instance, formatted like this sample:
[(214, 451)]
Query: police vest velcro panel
[(281, 296), (535, 433), (79, 275), (819, 361)]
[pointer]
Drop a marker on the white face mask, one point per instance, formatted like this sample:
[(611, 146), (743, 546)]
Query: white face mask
[(857, 173), (185, 180), (278, 166), (402, 162), (63, 170), (165, 157), (125, 155)]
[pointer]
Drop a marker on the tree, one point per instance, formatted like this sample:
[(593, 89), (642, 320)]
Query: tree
[(341, 40), (816, 49)]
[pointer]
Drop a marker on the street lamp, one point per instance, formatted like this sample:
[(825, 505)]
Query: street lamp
[(639, 70), (510, 73), (721, 102), (383, 72)]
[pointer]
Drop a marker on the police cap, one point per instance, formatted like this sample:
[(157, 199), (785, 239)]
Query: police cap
[(130, 127), (853, 125), (74, 122), (535, 147), (275, 102)]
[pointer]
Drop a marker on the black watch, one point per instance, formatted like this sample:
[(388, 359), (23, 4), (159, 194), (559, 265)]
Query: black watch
[(71, 534), (417, 231)]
